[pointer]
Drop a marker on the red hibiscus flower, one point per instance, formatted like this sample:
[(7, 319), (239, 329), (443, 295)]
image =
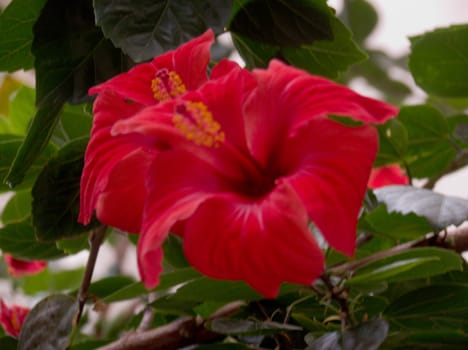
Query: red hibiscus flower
[(105, 185), (387, 175), (19, 267), (12, 318), (250, 159)]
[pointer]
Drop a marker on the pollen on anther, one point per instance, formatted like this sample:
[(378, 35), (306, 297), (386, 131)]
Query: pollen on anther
[(167, 85), (196, 123)]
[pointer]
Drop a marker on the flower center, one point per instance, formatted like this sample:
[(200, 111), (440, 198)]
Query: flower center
[(167, 85), (196, 123)]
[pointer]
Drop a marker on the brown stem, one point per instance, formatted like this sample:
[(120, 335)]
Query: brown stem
[(95, 240), (456, 240), (179, 333)]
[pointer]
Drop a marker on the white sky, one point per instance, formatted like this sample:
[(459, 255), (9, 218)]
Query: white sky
[(399, 19)]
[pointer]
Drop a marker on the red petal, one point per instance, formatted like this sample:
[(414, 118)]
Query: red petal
[(189, 61), (328, 165), (179, 183), (224, 98), (121, 203), (19, 267), (387, 175), (288, 98), (264, 242), (104, 151)]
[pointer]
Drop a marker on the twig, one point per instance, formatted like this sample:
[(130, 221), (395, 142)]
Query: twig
[(95, 240), (456, 240), (179, 333)]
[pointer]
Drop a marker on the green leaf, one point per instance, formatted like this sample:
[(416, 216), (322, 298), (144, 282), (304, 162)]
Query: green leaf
[(439, 61), (71, 55), (49, 324), (327, 57), (16, 23), (55, 205), (442, 300), (393, 142), (207, 289), (73, 245), (283, 23), (109, 285), (75, 122), (434, 339), (50, 281), (173, 251), (167, 280), (409, 265), (18, 208), (21, 110), (440, 210), (429, 149), (145, 30), (360, 17), (9, 145), (36, 141), (8, 343), (396, 225), (19, 240)]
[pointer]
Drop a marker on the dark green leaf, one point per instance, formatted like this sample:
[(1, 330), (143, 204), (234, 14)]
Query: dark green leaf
[(9, 145), (49, 324), (429, 147), (433, 339), (146, 29), (89, 345), (327, 57), (50, 281), (207, 289), (440, 210), (396, 225), (254, 54), (283, 23), (232, 326), (8, 343), (442, 300), (18, 208), (71, 55), (173, 251), (360, 17), (55, 205), (19, 240), (16, 23), (409, 265), (438, 61)]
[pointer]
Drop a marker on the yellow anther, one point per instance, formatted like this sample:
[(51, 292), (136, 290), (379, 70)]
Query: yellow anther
[(196, 123), (167, 85)]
